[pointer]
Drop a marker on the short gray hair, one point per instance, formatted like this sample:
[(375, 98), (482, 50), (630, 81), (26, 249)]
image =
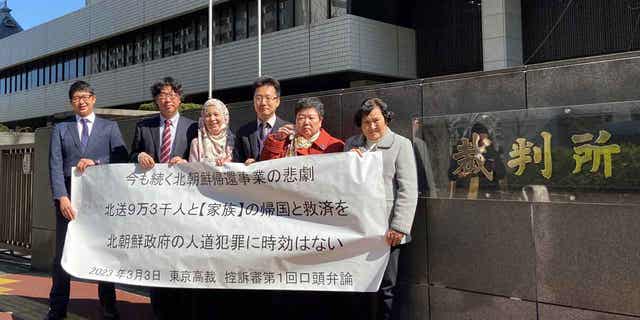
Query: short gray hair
[(312, 102)]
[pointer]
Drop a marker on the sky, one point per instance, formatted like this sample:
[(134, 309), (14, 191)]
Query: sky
[(30, 13)]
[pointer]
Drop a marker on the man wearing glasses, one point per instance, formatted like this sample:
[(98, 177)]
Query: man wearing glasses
[(81, 141), (250, 137), (165, 138)]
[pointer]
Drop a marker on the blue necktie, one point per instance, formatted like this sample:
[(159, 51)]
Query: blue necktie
[(85, 134)]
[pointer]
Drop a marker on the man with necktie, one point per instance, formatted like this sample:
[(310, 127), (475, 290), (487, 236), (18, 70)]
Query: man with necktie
[(165, 138), (250, 137), (81, 141)]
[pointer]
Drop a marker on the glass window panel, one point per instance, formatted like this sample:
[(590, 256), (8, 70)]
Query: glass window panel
[(189, 34), (224, 26), (140, 48), (2, 88), (285, 14), (157, 43), (319, 10), (146, 47), (177, 40), (33, 77), (240, 20), (301, 12), (253, 18), (67, 68), (130, 53), (95, 60), (269, 17), (41, 75), (81, 63), (203, 31), (59, 70), (338, 8), (119, 52), (25, 79), (47, 74), (104, 58), (73, 67), (167, 41)]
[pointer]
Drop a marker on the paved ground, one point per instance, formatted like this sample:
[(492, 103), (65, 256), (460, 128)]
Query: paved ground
[(24, 296)]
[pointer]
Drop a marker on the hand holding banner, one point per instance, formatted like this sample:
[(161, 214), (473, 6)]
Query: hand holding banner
[(300, 223)]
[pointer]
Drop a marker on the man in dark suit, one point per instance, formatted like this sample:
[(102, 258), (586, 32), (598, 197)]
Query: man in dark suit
[(250, 137), (165, 138), (82, 141)]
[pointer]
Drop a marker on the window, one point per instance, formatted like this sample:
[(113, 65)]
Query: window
[(33, 76), (81, 63), (130, 52), (95, 60), (253, 18), (104, 58), (119, 53), (59, 69), (189, 35), (301, 12), (71, 66), (23, 80), (167, 40), (319, 10), (47, 73), (224, 26), (269, 16), (177, 39), (338, 8), (285, 14), (203, 31), (157, 43), (40, 74), (240, 20), (2, 87)]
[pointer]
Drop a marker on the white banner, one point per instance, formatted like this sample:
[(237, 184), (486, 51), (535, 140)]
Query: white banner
[(301, 223)]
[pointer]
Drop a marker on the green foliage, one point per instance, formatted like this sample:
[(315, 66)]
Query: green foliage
[(150, 106), (3, 128)]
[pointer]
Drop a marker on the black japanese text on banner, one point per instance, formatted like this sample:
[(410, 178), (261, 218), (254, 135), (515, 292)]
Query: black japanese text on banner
[(300, 223)]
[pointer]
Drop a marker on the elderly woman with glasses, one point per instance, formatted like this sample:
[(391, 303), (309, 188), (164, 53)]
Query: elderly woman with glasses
[(215, 141), (307, 137), (400, 180)]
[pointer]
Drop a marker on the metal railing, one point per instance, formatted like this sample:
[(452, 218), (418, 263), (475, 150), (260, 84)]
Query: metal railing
[(16, 187)]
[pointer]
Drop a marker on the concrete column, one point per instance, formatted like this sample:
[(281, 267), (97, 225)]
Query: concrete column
[(501, 34)]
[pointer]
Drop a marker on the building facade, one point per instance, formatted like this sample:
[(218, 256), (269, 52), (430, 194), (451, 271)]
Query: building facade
[(121, 47)]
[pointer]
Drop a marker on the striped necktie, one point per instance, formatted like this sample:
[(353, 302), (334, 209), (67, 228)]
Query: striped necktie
[(84, 138), (165, 150)]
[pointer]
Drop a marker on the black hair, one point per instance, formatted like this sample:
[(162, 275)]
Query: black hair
[(306, 103), (175, 85), (367, 106), (80, 86), (266, 81)]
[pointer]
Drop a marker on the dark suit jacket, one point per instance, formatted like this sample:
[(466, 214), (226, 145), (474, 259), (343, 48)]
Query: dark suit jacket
[(247, 140), (105, 145), (147, 138)]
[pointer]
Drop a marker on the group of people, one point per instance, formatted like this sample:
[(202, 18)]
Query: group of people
[(86, 140)]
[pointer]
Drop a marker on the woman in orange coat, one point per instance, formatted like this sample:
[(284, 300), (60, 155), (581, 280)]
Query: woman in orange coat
[(307, 137)]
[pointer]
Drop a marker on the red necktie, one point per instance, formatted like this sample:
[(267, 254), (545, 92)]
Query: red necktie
[(165, 150)]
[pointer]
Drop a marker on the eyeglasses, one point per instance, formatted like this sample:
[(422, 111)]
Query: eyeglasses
[(85, 98), (167, 96), (264, 98)]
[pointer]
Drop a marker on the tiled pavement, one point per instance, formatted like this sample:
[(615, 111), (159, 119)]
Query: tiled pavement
[(24, 296)]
